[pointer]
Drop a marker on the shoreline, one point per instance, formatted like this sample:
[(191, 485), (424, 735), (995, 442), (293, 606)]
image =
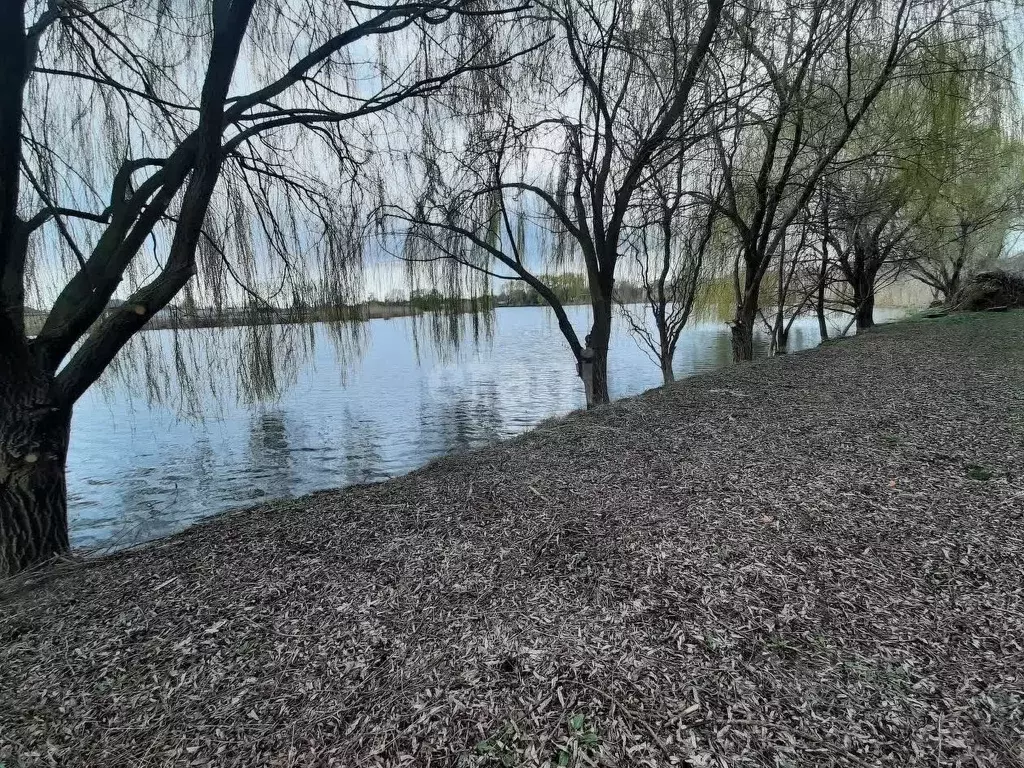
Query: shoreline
[(652, 572), (900, 296), (105, 518)]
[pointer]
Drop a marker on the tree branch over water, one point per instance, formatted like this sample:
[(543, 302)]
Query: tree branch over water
[(123, 146)]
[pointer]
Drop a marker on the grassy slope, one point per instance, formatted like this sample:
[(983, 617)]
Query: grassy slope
[(817, 560)]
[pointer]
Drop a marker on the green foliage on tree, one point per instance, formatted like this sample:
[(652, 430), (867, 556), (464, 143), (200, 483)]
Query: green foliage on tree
[(935, 174)]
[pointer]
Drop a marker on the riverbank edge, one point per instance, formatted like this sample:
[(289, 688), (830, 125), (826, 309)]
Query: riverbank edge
[(88, 558), (94, 557)]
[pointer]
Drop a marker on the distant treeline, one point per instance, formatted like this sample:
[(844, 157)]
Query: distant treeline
[(714, 298), (569, 288)]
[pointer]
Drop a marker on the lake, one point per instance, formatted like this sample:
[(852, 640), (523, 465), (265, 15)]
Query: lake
[(210, 420)]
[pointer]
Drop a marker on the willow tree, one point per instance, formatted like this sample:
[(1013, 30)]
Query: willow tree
[(673, 251), (871, 230), (928, 166), (804, 75), (868, 197), (144, 142), (795, 285), (620, 91), (970, 169), (968, 224)]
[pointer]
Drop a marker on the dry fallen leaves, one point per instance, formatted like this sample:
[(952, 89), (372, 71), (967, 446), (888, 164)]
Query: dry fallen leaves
[(709, 575)]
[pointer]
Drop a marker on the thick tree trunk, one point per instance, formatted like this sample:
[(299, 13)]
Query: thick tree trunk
[(747, 300), (598, 340), (954, 281), (667, 374), (780, 331), (862, 280), (666, 342), (742, 343), (33, 497), (951, 290), (743, 332), (819, 305), (865, 308), (599, 386)]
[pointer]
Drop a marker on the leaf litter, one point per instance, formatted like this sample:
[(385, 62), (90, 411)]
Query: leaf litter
[(804, 572)]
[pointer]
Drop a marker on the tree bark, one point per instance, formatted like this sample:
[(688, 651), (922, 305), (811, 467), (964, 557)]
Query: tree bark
[(599, 370), (34, 436), (864, 299), (952, 281), (667, 374), (743, 331), (866, 313), (819, 304), (861, 275), (666, 341), (601, 293), (599, 390), (742, 342), (748, 297), (781, 346), (951, 287), (822, 323)]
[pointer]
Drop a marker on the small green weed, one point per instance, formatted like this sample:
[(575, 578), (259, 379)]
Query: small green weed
[(777, 644), (582, 738), (503, 749), (978, 472)]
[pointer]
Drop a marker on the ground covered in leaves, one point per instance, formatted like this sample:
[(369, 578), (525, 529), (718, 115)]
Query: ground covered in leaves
[(815, 560)]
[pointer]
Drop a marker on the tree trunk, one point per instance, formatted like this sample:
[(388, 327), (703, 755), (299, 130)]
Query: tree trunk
[(747, 300), (822, 323), (33, 496), (742, 343), (953, 283), (865, 308), (598, 339), (667, 373), (862, 280), (819, 304), (743, 331), (951, 290), (666, 341), (781, 345), (599, 386)]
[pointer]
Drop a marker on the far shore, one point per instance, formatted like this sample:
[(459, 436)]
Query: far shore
[(900, 295), (234, 318)]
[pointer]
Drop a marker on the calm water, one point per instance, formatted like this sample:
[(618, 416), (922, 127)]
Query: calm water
[(348, 411)]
